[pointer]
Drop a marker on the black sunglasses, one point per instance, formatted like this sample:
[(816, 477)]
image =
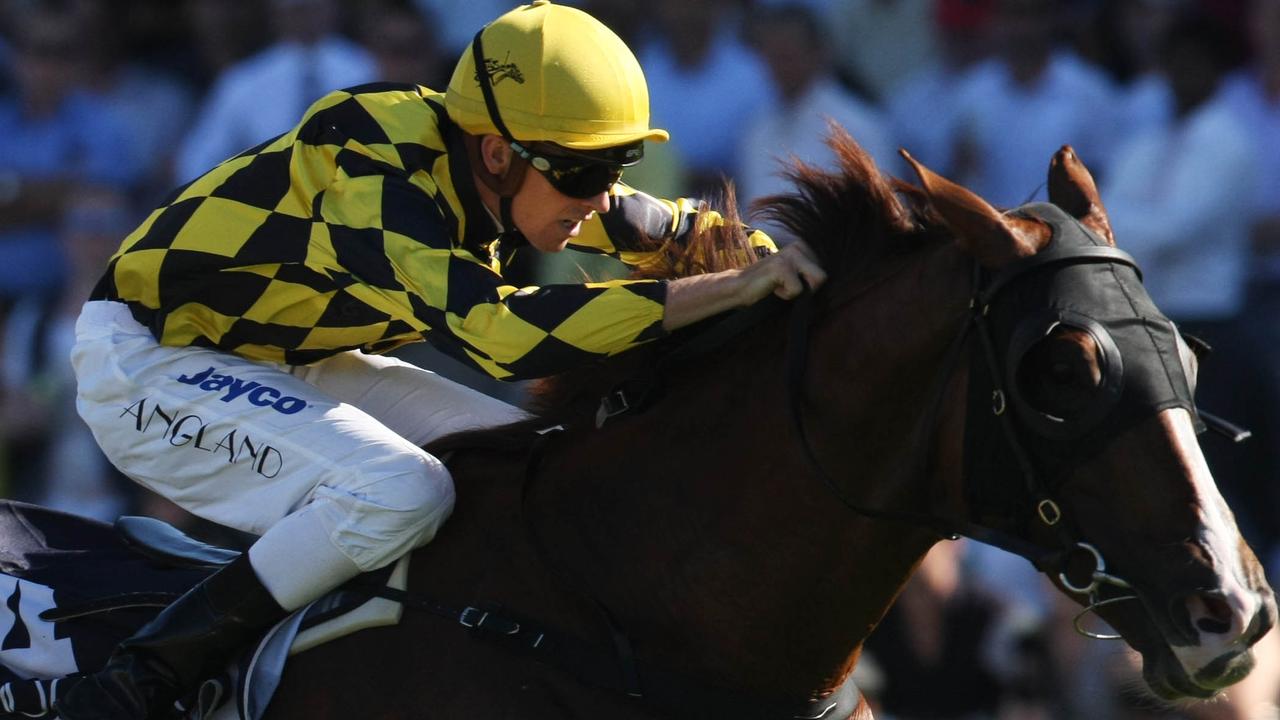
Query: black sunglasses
[(576, 178)]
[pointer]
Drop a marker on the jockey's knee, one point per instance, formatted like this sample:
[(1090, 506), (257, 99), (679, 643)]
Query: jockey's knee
[(422, 499), (389, 515)]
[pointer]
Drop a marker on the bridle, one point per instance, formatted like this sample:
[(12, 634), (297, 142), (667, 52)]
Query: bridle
[(1078, 565)]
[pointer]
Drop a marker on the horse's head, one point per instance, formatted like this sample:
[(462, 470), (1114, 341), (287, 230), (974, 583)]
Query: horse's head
[(1082, 424)]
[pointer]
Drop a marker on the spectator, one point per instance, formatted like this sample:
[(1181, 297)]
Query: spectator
[(663, 172), (52, 136), (922, 108), (463, 17), (1015, 110), (1146, 100), (6, 65), (403, 43), (795, 49), (262, 96), (704, 85), (221, 34), (68, 472), (1253, 94), (882, 42), (153, 105), (626, 18), (1181, 196)]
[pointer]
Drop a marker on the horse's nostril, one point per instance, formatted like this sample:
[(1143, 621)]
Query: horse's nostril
[(1217, 615), (1217, 627)]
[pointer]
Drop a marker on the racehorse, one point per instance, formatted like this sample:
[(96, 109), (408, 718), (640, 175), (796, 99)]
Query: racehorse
[(712, 527)]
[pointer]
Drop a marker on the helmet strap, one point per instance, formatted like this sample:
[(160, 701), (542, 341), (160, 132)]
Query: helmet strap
[(506, 184)]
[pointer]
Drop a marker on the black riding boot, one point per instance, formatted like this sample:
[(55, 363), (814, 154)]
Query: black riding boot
[(187, 642)]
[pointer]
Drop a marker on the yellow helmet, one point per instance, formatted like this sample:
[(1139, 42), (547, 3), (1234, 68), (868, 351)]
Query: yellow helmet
[(557, 75)]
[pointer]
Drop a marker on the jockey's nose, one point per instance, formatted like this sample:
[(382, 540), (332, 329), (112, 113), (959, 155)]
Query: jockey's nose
[(598, 202)]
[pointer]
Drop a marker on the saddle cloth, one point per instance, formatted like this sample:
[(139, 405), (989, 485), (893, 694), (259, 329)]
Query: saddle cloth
[(71, 589)]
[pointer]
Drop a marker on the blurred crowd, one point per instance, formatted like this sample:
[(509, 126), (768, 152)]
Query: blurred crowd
[(1173, 104)]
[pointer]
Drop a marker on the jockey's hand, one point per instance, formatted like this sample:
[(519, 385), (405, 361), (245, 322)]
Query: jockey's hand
[(694, 298), (780, 274)]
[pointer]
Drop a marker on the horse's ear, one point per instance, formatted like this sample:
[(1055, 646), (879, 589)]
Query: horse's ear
[(1071, 188), (994, 239)]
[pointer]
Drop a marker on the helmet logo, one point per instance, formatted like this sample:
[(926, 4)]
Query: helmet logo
[(499, 71)]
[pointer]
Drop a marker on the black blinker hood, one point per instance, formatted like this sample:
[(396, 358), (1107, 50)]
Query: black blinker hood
[(1143, 370)]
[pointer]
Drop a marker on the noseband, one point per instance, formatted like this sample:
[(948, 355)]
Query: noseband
[(1083, 283)]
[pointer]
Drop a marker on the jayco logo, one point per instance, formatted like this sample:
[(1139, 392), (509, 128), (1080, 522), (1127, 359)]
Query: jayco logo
[(256, 393)]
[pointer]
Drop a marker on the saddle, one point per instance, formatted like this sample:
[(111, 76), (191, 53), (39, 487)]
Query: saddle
[(152, 563)]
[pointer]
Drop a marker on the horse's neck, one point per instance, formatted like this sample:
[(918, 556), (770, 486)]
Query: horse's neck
[(710, 537)]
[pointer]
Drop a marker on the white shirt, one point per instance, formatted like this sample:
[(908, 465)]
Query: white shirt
[(706, 108), (1145, 102), (1016, 129), (922, 112), (266, 95), (1179, 198), (1243, 93), (800, 129)]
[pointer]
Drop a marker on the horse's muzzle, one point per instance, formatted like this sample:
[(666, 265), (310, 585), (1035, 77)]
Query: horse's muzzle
[(1221, 657)]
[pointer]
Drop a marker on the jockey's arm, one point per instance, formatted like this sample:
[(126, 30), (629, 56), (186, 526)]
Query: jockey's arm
[(636, 220), (695, 298)]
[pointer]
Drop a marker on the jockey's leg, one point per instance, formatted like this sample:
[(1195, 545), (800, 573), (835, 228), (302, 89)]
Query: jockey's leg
[(417, 404), (331, 490)]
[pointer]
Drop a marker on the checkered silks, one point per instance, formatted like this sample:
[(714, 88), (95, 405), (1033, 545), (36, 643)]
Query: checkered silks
[(350, 232)]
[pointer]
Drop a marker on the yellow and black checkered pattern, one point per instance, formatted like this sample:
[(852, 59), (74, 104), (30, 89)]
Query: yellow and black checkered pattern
[(350, 232)]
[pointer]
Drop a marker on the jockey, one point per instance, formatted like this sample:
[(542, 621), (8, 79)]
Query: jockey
[(228, 358)]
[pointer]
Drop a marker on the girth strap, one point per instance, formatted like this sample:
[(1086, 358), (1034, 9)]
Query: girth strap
[(595, 665)]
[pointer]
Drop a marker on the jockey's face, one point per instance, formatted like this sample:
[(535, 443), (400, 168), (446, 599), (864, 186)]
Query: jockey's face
[(548, 217)]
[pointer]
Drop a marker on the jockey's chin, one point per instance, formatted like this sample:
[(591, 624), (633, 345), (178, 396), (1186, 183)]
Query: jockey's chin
[(547, 217), (552, 237)]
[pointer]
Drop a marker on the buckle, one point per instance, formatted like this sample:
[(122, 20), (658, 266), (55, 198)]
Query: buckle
[(465, 617), (480, 620), (614, 403)]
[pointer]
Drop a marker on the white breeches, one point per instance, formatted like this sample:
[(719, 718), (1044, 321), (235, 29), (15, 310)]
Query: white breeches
[(331, 447)]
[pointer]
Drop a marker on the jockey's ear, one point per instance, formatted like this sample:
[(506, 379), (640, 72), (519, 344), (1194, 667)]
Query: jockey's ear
[(994, 239), (1071, 188)]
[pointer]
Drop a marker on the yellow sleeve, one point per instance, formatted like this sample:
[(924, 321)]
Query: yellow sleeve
[(407, 265)]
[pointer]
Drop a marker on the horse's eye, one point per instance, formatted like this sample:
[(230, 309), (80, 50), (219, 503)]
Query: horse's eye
[(1059, 374)]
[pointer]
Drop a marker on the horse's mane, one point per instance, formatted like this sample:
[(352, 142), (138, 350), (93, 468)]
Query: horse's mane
[(851, 216)]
